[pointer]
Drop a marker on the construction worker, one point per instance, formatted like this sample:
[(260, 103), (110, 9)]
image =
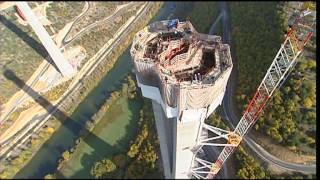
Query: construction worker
[(199, 77)]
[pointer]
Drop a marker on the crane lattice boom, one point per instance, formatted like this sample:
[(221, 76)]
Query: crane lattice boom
[(296, 39)]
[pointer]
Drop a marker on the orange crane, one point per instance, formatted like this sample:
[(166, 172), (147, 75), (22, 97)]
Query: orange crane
[(299, 34)]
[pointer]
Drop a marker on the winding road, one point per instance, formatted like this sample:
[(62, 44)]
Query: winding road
[(66, 40), (37, 122), (233, 119), (23, 98), (227, 101), (6, 114)]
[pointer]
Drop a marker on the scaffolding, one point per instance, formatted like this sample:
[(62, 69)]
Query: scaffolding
[(185, 72)]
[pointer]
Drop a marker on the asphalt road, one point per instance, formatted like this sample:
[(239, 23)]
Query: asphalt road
[(108, 19), (212, 151), (47, 65), (41, 119), (233, 119), (229, 109), (35, 80)]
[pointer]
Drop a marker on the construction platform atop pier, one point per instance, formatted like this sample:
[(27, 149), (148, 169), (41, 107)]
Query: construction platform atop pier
[(180, 53)]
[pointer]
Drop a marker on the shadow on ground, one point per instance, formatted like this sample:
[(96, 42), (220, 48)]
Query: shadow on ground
[(35, 45), (101, 149), (121, 146), (66, 121)]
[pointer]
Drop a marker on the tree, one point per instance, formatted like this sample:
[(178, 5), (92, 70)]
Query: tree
[(249, 168), (307, 102), (66, 155), (311, 116), (102, 168), (311, 142), (132, 89), (275, 134), (110, 166), (302, 67), (311, 64), (148, 155), (287, 89), (134, 149), (50, 176), (290, 105), (50, 130)]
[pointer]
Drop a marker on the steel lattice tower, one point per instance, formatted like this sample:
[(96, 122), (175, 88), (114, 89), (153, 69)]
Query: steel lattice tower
[(299, 34)]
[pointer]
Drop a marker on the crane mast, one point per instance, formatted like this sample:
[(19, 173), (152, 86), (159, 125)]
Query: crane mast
[(299, 34)]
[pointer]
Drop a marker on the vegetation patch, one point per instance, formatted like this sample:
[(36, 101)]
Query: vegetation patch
[(94, 40), (142, 153), (88, 83), (17, 43), (97, 11), (203, 15), (258, 31), (246, 164), (60, 13)]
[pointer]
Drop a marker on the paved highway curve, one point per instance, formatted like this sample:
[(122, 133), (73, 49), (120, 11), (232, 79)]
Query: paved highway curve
[(85, 72), (233, 119), (46, 66)]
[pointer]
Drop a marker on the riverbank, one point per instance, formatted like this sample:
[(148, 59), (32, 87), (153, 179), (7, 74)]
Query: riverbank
[(114, 126), (124, 122), (127, 120), (70, 104), (42, 164)]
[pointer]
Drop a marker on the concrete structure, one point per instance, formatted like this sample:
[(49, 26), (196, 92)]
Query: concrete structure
[(63, 65), (185, 73)]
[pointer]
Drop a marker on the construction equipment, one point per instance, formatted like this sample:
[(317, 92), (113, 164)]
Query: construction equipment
[(181, 99), (299, 34), (19, 13), (173, 23)]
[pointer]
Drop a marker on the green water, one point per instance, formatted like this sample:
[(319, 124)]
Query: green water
[(116, 135), (46, 159), (111, 135)]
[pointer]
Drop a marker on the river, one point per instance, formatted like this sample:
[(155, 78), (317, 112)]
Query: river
[(46, 159)]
